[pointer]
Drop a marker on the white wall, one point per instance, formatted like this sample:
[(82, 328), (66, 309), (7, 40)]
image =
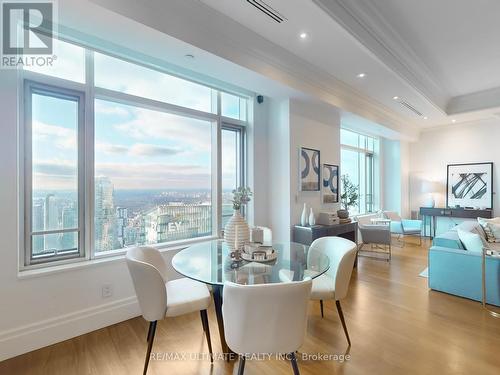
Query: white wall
[(293, 123), (258, 163), (313, 125), (395, 165), (464, 143), (278, 186)]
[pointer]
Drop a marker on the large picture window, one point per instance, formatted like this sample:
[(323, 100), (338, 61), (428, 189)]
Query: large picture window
[(358, 164), (126, 152)]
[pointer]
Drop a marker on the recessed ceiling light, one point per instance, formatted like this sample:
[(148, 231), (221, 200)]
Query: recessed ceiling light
[(361, 75), (453, 120), (303, 35), (395, 97), (425, 117)]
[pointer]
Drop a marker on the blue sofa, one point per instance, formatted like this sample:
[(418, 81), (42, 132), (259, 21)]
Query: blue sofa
[(454, 270)]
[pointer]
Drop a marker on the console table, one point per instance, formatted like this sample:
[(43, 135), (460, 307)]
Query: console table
[(430, 214), (306, 235)]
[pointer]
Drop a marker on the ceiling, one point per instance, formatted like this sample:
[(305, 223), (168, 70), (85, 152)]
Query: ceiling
[(435, 59), (440, 62), (456, 40)]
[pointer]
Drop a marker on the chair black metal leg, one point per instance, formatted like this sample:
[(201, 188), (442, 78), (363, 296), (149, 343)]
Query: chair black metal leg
[(295, 367), (151, 337), (149, 331), (321, 307), (341, 315), (241, 365), (206, 329)]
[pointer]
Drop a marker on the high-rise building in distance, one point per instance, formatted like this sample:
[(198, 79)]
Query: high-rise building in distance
[(105, 218), (51, 222)]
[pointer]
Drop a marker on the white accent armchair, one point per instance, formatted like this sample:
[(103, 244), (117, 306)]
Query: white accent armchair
[(404, 227), (159, 297), (266, 318), (375, 234), (334, 284)]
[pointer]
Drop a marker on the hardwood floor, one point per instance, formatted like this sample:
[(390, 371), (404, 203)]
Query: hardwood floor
[(397, 326)]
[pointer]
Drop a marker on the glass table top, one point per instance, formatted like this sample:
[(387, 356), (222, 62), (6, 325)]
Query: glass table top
[(210, 263)]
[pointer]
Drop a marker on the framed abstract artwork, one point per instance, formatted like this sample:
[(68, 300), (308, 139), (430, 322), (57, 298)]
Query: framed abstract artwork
[(330, 183), (309, 165), (470, 185)]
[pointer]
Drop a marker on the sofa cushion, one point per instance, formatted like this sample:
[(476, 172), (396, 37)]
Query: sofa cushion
[(468, 225), (491, 228), (471, 241)]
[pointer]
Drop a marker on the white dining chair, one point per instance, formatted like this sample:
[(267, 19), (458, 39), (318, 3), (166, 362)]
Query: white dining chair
[(160, 298), (266, 318), (334, 283)]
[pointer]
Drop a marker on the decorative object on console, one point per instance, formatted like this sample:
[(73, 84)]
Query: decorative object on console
[(309, 169), (470, 185), (237, 231), (343, 214), (430, 188), (328, 218), (312, 219), (303, 217), (330, 184)]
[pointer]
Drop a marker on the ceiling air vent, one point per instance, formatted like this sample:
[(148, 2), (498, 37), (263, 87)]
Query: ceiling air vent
[(407, 105), (268, 10)]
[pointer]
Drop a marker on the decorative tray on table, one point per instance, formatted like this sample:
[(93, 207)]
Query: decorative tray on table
[(259, 254)]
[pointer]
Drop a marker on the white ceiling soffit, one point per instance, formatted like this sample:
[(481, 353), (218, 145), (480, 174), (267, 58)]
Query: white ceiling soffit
[(447, 50), (202, 26)]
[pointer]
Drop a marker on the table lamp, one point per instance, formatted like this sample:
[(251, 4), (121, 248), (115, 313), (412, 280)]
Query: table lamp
[(430, 188)]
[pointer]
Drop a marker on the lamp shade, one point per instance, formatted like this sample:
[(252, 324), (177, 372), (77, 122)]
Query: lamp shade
[(430, 187)]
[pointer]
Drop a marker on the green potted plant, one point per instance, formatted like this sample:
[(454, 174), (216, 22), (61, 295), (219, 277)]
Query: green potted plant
[(348, 197)]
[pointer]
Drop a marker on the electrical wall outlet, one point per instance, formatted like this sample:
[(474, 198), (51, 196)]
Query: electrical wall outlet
[(107, 291)]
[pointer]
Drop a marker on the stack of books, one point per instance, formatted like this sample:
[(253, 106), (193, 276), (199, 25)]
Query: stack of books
[(345, 221)]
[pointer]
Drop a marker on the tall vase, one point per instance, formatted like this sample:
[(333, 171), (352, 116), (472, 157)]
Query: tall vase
[(238, 224), (303, 217), (312, 219)]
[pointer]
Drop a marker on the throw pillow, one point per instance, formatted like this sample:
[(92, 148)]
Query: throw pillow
[(486, 224), (471, 241), (495, 230)]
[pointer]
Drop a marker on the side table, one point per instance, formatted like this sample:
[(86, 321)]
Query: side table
[(493, 253)]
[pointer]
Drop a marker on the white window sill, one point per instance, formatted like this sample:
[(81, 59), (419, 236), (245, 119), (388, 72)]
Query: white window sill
[(117, 256)]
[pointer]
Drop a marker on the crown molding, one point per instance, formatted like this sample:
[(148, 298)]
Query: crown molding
[(365, 23), (476, 101)]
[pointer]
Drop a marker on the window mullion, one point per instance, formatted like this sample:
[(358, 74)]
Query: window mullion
[(89, 156), (217, 176)]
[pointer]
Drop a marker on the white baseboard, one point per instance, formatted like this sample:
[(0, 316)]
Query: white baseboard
[(38, 335)]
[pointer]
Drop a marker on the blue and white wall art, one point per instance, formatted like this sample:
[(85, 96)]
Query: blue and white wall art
[(309, 169), (470, 185), (330, 183)]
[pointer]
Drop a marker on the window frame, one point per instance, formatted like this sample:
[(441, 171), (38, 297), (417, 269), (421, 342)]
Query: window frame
[(29, 89), (241, 133), (369, 168), (86, 196)]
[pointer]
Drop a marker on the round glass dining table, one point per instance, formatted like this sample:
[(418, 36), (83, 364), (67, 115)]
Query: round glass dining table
[(210, 263)]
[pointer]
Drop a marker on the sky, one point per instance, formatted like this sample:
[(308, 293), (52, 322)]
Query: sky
[(136, 148)]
